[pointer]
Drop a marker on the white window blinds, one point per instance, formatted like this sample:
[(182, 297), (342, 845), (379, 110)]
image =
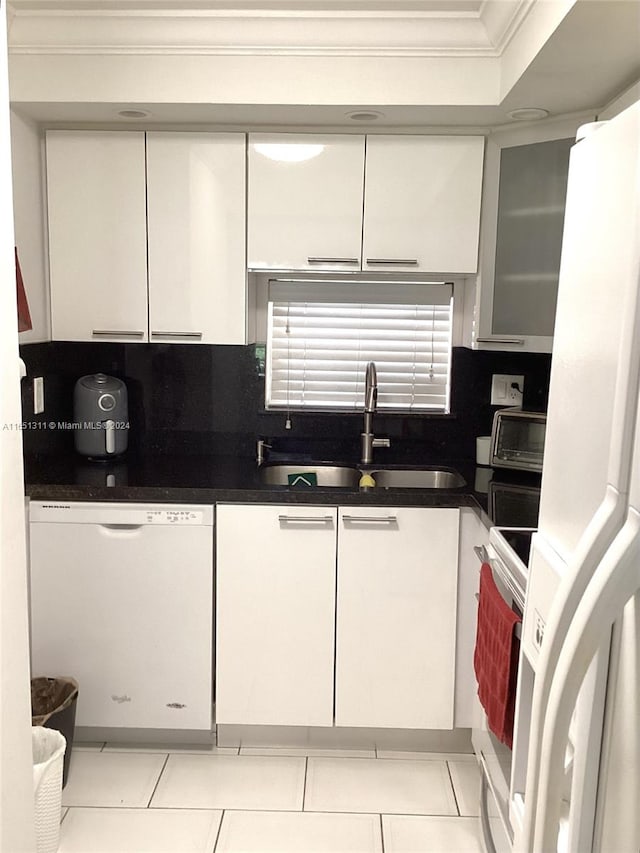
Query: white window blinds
[(321, 334)]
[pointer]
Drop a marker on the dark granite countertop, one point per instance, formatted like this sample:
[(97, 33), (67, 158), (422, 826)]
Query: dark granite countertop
[(218, 479)]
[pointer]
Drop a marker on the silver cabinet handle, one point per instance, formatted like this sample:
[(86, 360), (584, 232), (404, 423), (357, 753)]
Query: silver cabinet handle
[(481, 553), (376, 519), (518, 341), (319, 519), (404, 262), (117, 333), (333, 260), (176, 334)]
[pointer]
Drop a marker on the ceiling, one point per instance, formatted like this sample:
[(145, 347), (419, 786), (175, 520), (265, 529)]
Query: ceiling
[(590, 53)]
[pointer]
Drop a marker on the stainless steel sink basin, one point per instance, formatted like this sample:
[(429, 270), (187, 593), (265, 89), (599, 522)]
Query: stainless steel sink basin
[(432, 478), (347, 476), (294, 475)]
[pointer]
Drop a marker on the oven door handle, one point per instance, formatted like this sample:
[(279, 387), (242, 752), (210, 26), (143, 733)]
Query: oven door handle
[(481, 553), (506, 577)]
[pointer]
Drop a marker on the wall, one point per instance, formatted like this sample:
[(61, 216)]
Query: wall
[(16, 775), (29, 213), (210, 400)]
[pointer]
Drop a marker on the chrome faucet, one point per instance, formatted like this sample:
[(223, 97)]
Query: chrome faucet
[(367, 439), (261, 445)]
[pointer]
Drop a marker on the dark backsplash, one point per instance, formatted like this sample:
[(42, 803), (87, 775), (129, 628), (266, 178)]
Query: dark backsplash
[(197, 399)]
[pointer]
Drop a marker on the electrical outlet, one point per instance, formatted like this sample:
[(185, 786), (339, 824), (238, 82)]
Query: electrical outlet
[(506, 389), (38, 395)]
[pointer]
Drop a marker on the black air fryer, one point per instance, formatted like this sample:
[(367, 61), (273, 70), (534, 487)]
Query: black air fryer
[(101, 416)]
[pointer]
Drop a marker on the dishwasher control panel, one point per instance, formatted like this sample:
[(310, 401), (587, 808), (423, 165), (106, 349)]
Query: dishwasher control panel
[(173, 516), (121, 514)]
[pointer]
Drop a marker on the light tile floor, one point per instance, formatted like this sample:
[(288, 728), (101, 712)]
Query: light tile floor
[(141, 799)]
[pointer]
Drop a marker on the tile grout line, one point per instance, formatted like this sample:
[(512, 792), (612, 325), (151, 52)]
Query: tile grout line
[(215, 845), (120, 807), (155, 787), (304, 788), (453, 788), (381, 832)]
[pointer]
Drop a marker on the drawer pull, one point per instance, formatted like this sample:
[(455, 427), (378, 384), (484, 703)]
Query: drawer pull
[(176, 334), (115, 333), (400, 262), (375, 519), (318, 519), (333, 260)]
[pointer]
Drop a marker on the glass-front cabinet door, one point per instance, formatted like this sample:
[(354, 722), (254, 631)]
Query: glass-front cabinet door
[(521, 241)]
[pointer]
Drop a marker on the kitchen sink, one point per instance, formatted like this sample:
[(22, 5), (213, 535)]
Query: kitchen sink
[(431, 478), (295, 475), (346, 476)]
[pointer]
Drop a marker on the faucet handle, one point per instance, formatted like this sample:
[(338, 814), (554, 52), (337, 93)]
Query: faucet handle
[(381, 442)]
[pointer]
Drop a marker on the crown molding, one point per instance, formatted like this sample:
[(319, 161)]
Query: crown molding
[(503, 19), (428, 28)]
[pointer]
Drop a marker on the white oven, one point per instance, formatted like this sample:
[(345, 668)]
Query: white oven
[(508, 555)]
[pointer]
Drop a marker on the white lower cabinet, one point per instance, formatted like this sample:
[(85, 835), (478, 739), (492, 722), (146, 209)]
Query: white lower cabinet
[(275, 614), (391, 630), (396, 617)]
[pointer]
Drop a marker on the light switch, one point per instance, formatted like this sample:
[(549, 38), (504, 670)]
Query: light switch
[(38, 395)]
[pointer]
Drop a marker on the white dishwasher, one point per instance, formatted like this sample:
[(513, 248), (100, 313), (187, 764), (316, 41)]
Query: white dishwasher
[(122, 601)]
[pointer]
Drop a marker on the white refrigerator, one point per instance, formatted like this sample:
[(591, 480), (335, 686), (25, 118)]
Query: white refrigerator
[(576, 762)]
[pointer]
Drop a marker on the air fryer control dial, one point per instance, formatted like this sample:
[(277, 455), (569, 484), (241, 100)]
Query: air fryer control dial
[(107, 402)]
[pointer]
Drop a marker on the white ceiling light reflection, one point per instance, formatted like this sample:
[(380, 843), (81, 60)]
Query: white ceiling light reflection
[(288, 152)]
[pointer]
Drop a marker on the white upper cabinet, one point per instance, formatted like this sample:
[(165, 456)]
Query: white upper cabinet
[(521, 242), (196, 222), (419, 196), (97, 235), (101, 187), (305, 201), (422, 203)]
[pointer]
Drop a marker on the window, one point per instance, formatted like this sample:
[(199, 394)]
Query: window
[(321, 334)]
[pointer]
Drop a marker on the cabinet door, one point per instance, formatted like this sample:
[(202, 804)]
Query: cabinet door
[(97, 235), (196, 224), (422, 203), (305, 201), (523, 218), (275, 615), (396, 617)]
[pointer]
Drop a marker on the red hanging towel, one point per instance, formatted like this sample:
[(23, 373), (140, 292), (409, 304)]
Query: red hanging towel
[(495, 658), (24, 316)]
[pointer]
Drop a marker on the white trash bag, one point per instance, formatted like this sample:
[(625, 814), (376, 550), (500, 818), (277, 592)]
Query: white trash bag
[(48, 747)]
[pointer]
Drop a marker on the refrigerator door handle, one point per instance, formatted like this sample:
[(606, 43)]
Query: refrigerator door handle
[(615, 581), (593, 545)]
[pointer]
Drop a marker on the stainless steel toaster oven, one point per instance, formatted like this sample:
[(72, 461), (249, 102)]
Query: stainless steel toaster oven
[(517, 439)]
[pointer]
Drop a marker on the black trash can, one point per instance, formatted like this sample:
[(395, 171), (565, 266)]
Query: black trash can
[(53, 705)]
